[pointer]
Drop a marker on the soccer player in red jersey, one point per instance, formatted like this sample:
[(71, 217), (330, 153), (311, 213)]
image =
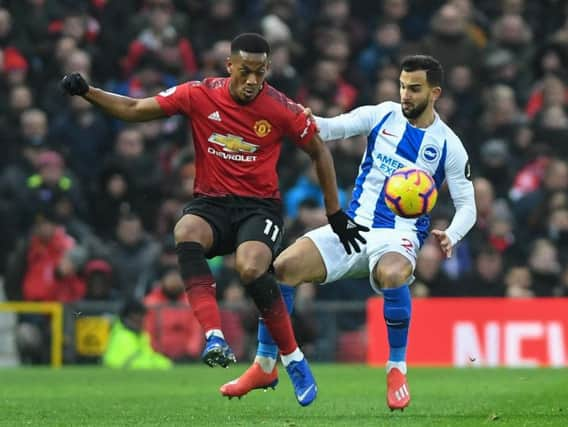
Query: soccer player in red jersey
[(238, 124)]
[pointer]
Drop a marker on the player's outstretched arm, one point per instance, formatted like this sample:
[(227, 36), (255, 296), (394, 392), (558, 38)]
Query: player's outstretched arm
[(121, 107), (346, 229)]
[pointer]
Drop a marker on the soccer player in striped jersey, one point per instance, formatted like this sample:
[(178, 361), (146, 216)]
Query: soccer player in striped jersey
[(407, 134)]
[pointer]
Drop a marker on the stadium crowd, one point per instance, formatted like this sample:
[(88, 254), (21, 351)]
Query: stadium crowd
[(88, 204)]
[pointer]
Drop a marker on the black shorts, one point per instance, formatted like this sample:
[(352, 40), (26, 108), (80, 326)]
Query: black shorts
[(236, 219)]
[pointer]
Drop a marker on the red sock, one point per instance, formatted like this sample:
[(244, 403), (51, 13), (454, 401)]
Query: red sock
[(199, 284), (277, 320), (202, 298)]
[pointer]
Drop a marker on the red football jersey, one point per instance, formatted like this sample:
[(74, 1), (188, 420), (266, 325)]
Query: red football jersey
[(237, 146)]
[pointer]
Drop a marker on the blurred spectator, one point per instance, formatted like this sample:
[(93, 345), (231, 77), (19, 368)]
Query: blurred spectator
[(51, 181), (486, 279), (501, 116), (500, 233), (20, 99), (545, 267), (528, 178), (531, 209), (44, 266), (463, 86), (14, 67), (550, 91), (384, 48), (282, 74), (558, 230), (174, 330), (307, 187), (132, 253), (84, 29), (326, 82), (414, 23), (78, 228), (147, 79), (484, 201), (496, 166), (477, 23), (129, 346), (221, 16), (114, 195), (214, 59), (562, 289), (386, 90), (351, 151), (130, 155), (160, 31), (512, 34), (461, 261), (99, 281), (310, 215), (429, 274), (70, 59), (82, 133), (449, 40), (169, 213), (166, 261), (518, 282)]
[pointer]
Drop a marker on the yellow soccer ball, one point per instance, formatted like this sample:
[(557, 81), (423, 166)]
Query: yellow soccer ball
[(410, 192)]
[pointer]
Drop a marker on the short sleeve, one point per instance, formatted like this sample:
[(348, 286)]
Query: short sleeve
[(176, 99), (302, 127)]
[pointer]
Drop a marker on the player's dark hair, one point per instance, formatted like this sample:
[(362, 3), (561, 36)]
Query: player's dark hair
[(433, 68), (250, 42)]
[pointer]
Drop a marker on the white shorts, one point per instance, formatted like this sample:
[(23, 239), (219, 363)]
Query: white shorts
[(340, 265)]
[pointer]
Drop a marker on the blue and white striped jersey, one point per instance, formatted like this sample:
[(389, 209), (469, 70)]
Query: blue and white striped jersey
[(392, 143)]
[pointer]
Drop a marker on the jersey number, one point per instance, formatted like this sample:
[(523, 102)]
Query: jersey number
[(271, 229)]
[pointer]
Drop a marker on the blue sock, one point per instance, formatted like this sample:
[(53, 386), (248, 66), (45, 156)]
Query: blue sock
[(266, 345), (397, 310)]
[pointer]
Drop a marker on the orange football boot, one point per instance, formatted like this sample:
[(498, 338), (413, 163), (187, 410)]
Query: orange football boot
[(253, 378), (398, 394)]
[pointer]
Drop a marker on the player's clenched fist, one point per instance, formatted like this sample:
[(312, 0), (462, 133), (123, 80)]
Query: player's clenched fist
[(74, 84)]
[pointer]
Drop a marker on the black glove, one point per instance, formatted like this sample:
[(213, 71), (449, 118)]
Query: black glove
[(74, 84), (347, 230)]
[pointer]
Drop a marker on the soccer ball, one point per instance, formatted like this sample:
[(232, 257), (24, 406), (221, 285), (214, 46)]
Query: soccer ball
[(410, 192)]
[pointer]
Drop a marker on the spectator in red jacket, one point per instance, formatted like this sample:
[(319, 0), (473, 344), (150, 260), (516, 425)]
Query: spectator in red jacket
[(50, 273), (170, 322)]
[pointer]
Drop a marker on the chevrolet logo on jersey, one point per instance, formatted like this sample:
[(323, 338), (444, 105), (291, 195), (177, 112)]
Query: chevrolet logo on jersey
[(233, 143)]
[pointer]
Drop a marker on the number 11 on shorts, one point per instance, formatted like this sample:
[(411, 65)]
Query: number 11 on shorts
[(271, 226)]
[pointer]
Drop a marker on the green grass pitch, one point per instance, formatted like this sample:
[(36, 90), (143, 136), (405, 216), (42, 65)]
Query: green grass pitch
[(349, 395)]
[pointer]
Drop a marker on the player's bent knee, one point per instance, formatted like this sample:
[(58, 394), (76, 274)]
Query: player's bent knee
[(192, 229), (182, 232), (250, 273), (392, 274), (284, 270)]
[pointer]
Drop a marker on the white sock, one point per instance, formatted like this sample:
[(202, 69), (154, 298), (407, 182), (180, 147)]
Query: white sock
[(401, 366), (295, 356), (266, 363), (214, 332)]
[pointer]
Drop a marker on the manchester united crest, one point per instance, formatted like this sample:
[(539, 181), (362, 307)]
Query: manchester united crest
[(262, 128)]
